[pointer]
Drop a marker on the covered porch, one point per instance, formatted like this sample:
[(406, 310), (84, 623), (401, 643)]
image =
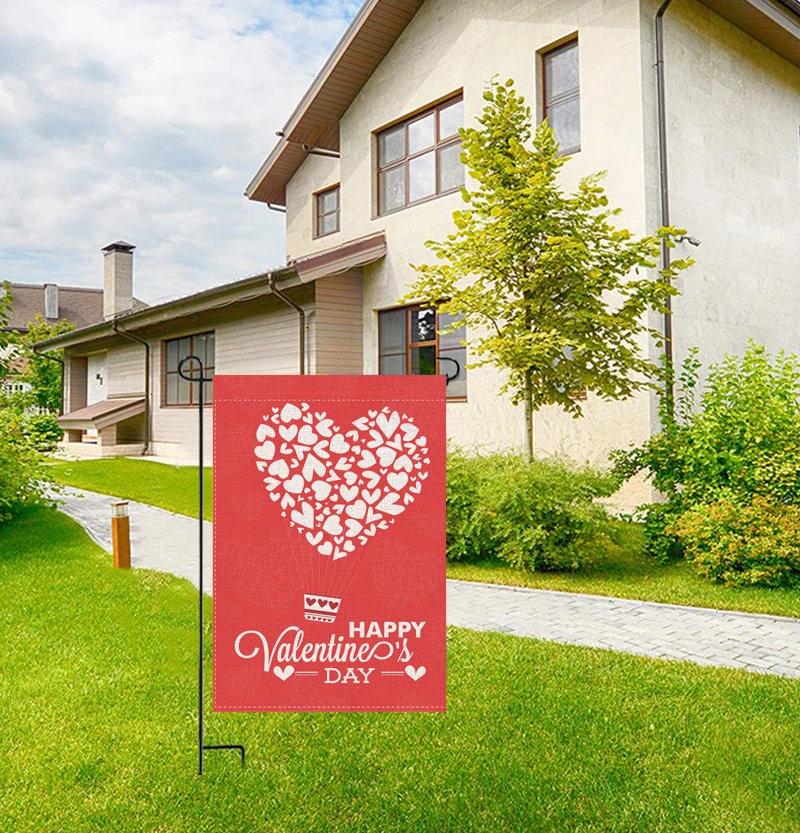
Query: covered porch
[(109, 428)]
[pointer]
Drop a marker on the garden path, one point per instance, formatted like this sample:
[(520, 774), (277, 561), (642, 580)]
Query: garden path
[(167, 542)]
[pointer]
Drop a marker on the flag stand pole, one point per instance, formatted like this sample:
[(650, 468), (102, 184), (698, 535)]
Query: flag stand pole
[(201, 746), (202, 381)]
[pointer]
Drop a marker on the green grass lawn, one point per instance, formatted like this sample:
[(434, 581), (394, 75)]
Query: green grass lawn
[(170, 487), (627, 573), (97, 720)]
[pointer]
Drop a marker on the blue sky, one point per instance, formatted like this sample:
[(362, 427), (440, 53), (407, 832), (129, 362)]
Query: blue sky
[(144, 121)]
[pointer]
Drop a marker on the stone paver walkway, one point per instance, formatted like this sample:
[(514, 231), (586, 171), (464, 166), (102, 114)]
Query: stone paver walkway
[(160, 540), (163, 541), (755, 642)]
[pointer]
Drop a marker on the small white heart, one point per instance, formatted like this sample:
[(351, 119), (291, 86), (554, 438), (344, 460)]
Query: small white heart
[(265, 451), (397, 480), (294, 485), (279, 469), (263, 432), (307, 436), (290, 412), (283, 673), (357, 509), (415, 673)]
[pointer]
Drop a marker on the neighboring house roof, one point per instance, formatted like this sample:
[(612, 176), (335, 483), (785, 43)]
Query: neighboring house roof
[(373, 32), (304, 270), (78, 304)]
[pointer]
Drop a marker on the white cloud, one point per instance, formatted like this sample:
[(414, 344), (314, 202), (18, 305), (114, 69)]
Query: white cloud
[(145, 121)]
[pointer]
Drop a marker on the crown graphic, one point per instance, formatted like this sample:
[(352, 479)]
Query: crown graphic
[(321, 608)]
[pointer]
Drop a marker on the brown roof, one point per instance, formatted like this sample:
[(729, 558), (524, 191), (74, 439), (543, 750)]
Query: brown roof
[(80, 305), (315, 121), (102, 414), (373, 32)]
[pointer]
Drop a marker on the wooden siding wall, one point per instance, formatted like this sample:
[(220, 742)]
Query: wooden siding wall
[(339, 325), (75, 383), (125, 371), (265, 341)]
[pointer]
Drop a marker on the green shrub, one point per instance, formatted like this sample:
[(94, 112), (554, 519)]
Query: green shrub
[(23, 475), (659, 542), (741, 440), (537, 516), (42, 429), (758, 543)]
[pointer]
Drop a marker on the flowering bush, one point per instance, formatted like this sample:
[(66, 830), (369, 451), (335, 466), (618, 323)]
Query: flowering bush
[(758, 543)]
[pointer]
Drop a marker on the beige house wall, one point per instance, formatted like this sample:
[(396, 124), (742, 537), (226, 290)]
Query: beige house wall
[(734, 161), (262, 343), (255, 337), (125, 371), (454, 45)]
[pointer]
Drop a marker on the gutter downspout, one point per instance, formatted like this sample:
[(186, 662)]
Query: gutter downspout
[(664, 183), (147, 408), (301, 313), (63, 379)]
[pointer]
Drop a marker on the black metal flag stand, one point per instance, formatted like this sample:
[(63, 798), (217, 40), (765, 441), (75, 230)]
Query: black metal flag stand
[(202, 380), (201, 746)]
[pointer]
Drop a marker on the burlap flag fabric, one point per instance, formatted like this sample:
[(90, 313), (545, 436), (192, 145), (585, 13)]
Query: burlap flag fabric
[(329, 543)]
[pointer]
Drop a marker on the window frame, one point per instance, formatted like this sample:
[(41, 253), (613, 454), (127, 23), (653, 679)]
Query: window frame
[(336, 212), (439, 143), (416, 344), (575, 93), (193, 397)]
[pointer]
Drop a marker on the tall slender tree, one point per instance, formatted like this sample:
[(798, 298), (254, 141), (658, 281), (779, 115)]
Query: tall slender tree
[(551, 291)]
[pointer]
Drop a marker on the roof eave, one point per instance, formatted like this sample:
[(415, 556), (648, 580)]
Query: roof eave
[(368, 39), (771, 22), (208, 299)]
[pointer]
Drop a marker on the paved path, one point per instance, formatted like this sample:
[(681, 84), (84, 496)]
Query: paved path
[(167, 542), (160, 540), (755, 642)]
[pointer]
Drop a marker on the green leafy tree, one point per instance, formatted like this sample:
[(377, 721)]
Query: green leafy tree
[(41, 372), (552, 293)]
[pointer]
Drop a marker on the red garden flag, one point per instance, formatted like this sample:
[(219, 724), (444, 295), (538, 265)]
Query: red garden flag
[(329, 543)]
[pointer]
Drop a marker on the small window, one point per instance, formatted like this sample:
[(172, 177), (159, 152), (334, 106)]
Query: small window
[(327, 211), (410, 345), (178, 391), (420, 158), (561, 95)]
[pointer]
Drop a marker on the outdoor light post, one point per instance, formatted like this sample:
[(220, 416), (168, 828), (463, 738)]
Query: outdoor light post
[(121, 535)]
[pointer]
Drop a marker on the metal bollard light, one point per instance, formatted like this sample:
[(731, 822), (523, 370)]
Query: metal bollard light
[(121, 535)]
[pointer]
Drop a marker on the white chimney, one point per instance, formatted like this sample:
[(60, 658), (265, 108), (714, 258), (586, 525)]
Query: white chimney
[(117, 278), (51, 300)]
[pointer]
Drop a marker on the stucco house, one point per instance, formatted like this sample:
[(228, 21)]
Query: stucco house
[(366, 169)]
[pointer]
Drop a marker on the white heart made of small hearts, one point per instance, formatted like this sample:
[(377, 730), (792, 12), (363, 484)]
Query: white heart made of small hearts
[(340, 488)]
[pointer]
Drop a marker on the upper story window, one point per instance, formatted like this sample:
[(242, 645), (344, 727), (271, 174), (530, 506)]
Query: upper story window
[(418, 159), (561, 95), (327, 205), (409, 344), (174, 389)]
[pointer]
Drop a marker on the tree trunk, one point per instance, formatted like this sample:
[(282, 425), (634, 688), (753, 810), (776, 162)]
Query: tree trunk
[(529, 415)]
